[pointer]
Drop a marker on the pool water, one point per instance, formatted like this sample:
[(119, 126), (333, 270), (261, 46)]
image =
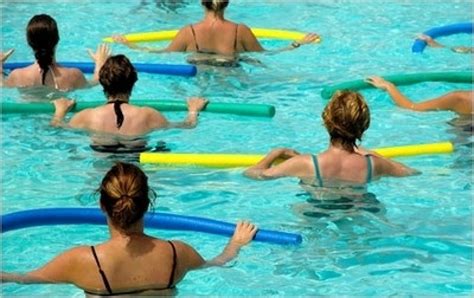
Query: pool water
[(408, 236)]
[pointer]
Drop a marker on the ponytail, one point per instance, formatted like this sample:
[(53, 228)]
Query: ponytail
[(43, 36)]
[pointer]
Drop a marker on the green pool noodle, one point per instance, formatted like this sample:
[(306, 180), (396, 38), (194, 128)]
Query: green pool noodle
[(245, 109), (401, 79)]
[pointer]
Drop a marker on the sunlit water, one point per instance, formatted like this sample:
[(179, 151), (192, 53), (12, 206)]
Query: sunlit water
[(410, 236)]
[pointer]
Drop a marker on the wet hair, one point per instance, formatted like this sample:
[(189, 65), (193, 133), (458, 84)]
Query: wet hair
[(43, 36), (215, 5), (346, 118), (117, 76), (124, 194)]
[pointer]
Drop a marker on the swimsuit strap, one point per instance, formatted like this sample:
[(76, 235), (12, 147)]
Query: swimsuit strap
[(194, 36), (56, 86), (118, 111), (316, 170), (102, 273), (369, 168), (236, 35), (170, 283)]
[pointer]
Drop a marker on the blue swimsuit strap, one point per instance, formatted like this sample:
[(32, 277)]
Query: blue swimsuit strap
[(316, 170), (369, 168)]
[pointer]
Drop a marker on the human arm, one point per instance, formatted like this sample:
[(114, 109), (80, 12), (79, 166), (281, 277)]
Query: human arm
[(292, 165), (251, 43), (387, 167), (192, 260), (452, 101), (4, 57), (195, 105), (101, 55), (430, 41), (178, 44), (61, 269)]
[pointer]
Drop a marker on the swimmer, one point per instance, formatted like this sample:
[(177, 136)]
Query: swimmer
[(117, 77), (43, 37), (217, 36), (460, 102), (130, 262), (433, 43), (346, 118)]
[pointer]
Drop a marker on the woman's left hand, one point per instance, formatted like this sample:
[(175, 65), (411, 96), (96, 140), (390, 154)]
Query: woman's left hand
[(309, 38), (4, 57)]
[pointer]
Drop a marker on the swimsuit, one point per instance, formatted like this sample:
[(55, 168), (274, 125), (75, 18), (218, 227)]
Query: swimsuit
[(109, 288), (214, 61), (319, 178)]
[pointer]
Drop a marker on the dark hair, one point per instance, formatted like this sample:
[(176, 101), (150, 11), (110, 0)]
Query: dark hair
[(43, 36), (215, 5), (124, 194), (117, 76), (346, 118)]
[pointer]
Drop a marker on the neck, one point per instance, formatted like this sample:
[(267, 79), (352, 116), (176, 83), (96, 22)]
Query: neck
[(118, 233), (121, 97), (213, 15), (337, 146)]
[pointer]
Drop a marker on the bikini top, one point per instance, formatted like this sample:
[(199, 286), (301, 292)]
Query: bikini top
[(319, 178), (197, 46), (118, 111), (109, 288)]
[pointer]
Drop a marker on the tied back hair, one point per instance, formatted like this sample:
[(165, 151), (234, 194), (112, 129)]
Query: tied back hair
[(215, 5), (125, 195), (43, 36)]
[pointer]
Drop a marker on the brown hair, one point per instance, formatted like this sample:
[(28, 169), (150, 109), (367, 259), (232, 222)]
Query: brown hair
[(43, 36), (215, 5), (346, 118), (117, 76), (124, 194)]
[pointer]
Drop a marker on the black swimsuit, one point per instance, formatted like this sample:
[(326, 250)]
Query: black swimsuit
[(109, 288), (215, 61)]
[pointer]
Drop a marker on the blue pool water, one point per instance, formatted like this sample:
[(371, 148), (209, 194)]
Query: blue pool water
[(411, 236)]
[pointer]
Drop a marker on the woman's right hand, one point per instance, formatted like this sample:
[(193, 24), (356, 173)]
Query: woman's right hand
[(196, 104), (102, 53), (63, 105), (5, 57), (121, 39), (244, 233)]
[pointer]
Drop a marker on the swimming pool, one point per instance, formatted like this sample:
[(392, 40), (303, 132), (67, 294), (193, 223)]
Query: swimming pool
[(412, 236)]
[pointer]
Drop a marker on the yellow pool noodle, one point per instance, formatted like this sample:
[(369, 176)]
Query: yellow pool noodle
[(170, 34), (222, 160)]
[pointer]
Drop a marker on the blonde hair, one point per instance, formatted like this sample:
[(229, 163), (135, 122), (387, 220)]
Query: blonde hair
[(346, 118)]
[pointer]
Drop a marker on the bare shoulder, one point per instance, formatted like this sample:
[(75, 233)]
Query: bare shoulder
[(75, 76)]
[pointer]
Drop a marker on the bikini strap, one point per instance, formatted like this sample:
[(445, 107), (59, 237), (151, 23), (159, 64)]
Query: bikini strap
[(369, 168), (102, 273), (171, 280), (236, 35), (56, 86), (316, 170), (194, 37)]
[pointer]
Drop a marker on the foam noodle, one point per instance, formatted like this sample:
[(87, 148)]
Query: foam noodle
[(402, 79), (219, 160), (243, 109), (419, 45), (185, 70), (170, 34), (158, 220)]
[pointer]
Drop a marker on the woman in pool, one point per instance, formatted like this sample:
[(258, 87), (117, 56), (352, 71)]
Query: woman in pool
[(130, 262), (217, 36), (43, 36), (460, 102), (118, 76), (434, 44), (346, 118)]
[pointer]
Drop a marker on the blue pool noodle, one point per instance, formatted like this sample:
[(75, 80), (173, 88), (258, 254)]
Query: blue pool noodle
[(88, 67), (158, 220), (419, 45)]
